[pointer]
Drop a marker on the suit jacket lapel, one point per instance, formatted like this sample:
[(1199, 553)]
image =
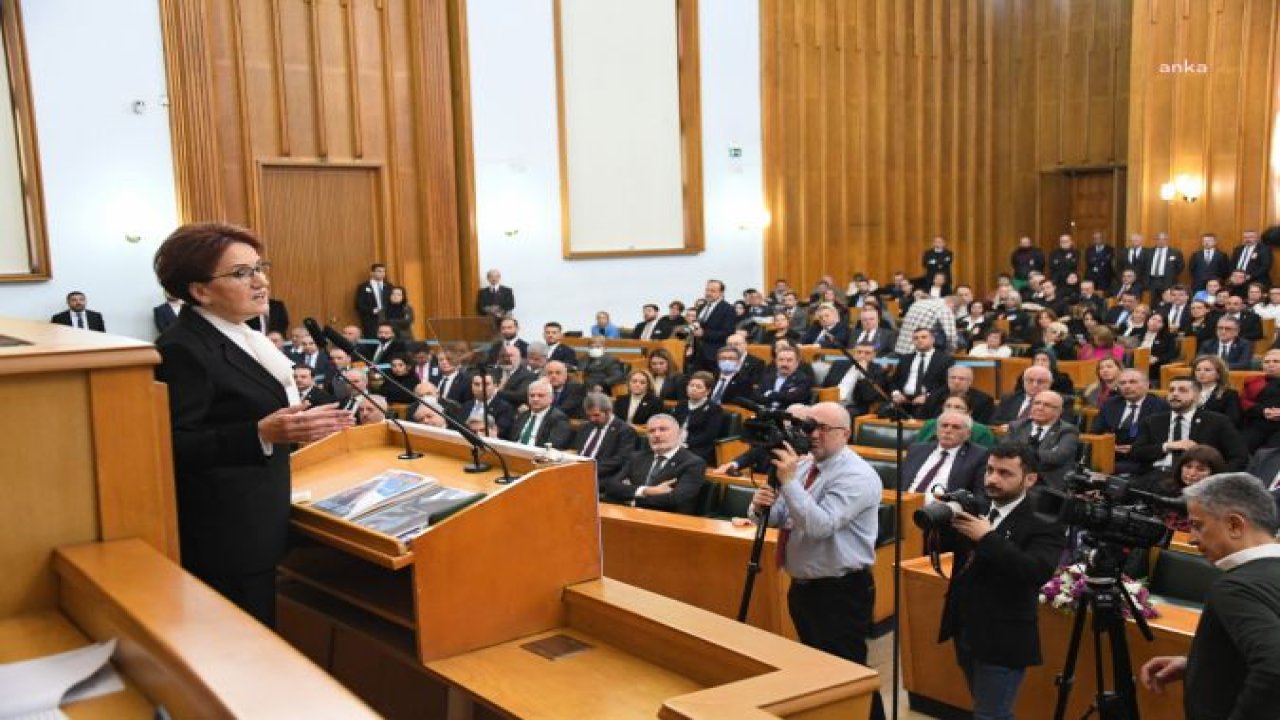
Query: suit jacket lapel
[(235, 357)]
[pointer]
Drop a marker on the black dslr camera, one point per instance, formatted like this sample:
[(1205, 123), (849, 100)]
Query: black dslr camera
[(772, 426), (1110, 509), (938, 514)]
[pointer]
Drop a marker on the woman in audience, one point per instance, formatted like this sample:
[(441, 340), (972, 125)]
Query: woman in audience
[(604, 327), (958, 402), (1216, 393), (779, 329), (699, 417), (993, 346), (234, 411), (398, 313), (832, 298), (667, 383), (1131, 331), (939, 287), (1102, 343), (1260, 404), (1163, 345), (1193, 465), (973, 325), (1062, 383), (1044, 318), (639, 404), (401, 372), (1108, 372), (1083, 321), (1070, 289), (1058, 341), (1204, 322)]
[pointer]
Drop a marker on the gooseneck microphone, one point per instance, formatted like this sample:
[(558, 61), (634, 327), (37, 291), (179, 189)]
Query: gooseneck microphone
[(409, 453), (333, 336)]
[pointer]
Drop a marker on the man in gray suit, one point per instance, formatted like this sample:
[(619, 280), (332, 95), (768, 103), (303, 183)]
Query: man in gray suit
[(949, 463), (1055, 441)]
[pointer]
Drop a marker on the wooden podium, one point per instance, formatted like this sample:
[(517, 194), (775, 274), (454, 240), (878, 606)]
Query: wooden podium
[(454, 621), (89, 542)]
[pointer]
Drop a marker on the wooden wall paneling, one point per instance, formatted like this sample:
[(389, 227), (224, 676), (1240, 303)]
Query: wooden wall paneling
[(465, 180), (354, 103), (191, 111), (13, 58)]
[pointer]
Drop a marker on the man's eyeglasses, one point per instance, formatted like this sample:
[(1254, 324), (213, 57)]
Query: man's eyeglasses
[(827, 428), (244, 273)]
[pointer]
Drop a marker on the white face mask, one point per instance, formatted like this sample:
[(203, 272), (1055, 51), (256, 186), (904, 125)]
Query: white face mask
[(596, 352)]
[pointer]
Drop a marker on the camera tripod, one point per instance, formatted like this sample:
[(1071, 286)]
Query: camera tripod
[(757, 546), (1103, 594)]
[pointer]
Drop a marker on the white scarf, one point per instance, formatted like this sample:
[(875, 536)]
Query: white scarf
[(258, 347)]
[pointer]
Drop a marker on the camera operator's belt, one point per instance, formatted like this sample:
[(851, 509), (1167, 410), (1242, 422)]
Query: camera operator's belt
[(832, 579)]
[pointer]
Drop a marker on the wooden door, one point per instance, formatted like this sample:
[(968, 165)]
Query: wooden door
[(1091, 198), (323, 227)]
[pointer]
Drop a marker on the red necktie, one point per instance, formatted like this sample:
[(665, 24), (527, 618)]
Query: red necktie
[(784, 534)]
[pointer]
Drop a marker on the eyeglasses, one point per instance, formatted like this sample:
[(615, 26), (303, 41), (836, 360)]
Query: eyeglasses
[(827, 428), (244, 273)]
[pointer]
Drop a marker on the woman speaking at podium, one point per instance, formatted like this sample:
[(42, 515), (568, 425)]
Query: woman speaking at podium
[(234, 411)]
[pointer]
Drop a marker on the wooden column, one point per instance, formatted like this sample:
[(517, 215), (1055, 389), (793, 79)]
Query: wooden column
[(198, 173)]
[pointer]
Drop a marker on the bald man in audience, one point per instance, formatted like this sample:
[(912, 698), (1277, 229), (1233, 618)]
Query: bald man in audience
[(1054, 440), (566, 395), (960, 382)]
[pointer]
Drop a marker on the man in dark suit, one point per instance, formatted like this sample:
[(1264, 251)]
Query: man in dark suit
[(949, 463), (277, 318), (1017, 405), (484, 400), (1026, 259), (750, 367), (991, 609), (1253, 258), (1091, 297), (1128, 284), (920, 373), (714, 325), (454, 382), (732, 381), (1161, 438), (371, 297), (1122, 415), (495, 299), (1135, 257), (828, 332), (77, 315), (858, 391), (1054, 440), (870, 331), (1265, 465), (541, 424), (1177, 314), (508, 334), (308, 391), (1100, 262), (605, 438), (960, 382), (513, 384), (1164, 265), (651, 326), (1064, 259), (566, 395), (1250, 323), (553, 336), (311, 356), (164, 315), (1208, 263), (388, 346), (937, 259), (1119, 314), (664, 476), (1230, 671), (1228, 345), (783, 385)]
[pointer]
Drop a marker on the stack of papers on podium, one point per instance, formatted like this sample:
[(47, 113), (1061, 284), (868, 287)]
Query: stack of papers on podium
[(379, 491), (33, 689)]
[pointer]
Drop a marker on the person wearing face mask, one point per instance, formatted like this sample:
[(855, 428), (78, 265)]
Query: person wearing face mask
[(730, 383), (600, 372)]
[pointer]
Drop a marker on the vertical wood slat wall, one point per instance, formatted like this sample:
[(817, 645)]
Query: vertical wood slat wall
[(321, 83), (887, 122), (1216, 124)]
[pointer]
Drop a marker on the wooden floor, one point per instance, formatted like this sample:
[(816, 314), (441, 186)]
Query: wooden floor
[(880, 657)]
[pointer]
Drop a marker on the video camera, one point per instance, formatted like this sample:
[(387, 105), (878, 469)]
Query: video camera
[(1110, 509), (938, 514), (773, 426)]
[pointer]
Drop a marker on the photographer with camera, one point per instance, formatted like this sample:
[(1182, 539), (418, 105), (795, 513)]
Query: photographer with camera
[(1233, 668), (827, 507), (991, 608)]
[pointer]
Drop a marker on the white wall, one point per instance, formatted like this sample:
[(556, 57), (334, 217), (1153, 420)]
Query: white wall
[(107, 171), (517, 169)]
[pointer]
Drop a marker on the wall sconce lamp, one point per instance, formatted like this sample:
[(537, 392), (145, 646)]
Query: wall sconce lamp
[(1188, 187)]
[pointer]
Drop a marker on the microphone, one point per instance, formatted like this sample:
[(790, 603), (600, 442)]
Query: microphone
[(476, 443)]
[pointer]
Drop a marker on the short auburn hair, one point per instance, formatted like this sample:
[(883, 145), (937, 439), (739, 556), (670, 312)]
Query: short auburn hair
[(191, 253)]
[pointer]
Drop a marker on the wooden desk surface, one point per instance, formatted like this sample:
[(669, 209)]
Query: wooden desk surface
[(33, 635), (929, 668), (56, 348)]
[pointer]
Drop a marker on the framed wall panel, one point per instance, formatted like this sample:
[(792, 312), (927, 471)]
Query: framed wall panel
[(629, 121), (24, 246)]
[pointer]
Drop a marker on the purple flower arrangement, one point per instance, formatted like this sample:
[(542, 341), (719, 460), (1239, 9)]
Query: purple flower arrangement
[(1067, 585)]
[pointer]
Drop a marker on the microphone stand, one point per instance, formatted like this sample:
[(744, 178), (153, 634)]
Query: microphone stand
[(338, 340), (475, 466), (409, 453)]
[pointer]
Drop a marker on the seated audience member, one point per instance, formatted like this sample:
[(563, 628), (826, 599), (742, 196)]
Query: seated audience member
[(858, 392), (784, 384), (278, 340), (1102, 344), (1122, 414), (509, 336), (1017, 405), (871, 332), (541, 424), (750, 367), (805, 368), (1119, 315), (429, 408), (1249, 322), (486, 402), (601, 371), (668, 383), (308, 391), (566, 395), (312, 356), (1270, 308), (356, 380), (398, 313), (947, 463), (1193, 465), (372, 411), (388, 346), (604, 327), (1228, 345), (1058, 340), (1260, 402), (1204, 322), (732, 382), (553, 336), (353, 334), (979, 433), (333, 383), (960, 382), (639, 403), (1162, 343), (1162, 437), (778, 329), (604, 437), (920, 373), (992, 346), (1216, 394), (513, 383), (651, 326), (974, 324), (700, 418), (1062, 383), (454, 381), (663, 476), (828, 331), (401, 373), (1129, 333), (1054, 440), (78, 315), (1107, 372), (485, 427)]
